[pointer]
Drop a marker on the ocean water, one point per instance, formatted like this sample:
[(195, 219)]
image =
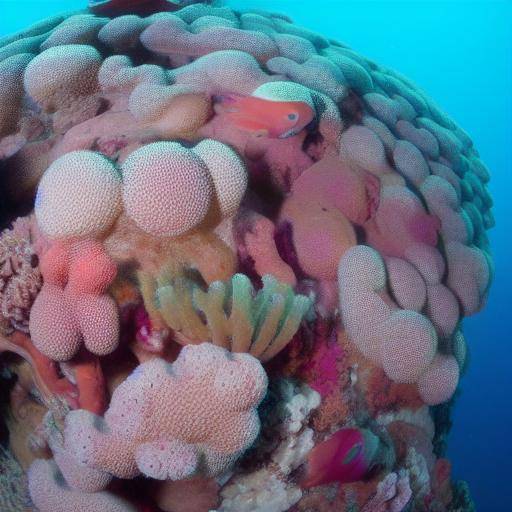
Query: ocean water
[(460, 52)]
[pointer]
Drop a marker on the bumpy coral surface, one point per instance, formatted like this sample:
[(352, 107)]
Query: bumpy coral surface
[(20, 277), (213, 201), (173, 421)]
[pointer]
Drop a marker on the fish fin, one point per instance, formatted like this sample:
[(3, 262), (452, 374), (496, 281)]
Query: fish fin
[(353, 453), (230, 102), (247, 123)]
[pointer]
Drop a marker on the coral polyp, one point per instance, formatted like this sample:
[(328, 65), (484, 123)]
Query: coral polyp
[(241, 271)]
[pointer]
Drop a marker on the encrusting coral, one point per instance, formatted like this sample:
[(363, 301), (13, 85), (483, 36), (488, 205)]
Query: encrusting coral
[(225, 198)]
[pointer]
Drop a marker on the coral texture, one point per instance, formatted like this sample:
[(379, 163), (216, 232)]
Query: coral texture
[(50, 492), (20, 277), (212, 395), (72, 307), (261, 324), (222, 199)]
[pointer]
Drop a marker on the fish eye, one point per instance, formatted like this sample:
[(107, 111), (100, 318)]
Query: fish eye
[(293, 116)]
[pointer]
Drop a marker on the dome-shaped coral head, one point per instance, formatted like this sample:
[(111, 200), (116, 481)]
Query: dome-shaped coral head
[(112, 8), (344, 457), (275, 109), (79, 196)]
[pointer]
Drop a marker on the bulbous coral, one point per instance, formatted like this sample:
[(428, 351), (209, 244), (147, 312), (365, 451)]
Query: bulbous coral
[(50, 492), (73, 298), (177, 182), (11, 71), (182, 183), (79, 195), (228, 174), (169, 111), (402, 342), (213, 396), (74, 71)]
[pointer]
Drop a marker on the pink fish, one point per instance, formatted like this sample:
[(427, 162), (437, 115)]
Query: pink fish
[(266, 118), (344, 457)]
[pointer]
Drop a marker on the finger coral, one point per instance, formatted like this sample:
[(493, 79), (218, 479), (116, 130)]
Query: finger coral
[(235, 316), (213, 396)]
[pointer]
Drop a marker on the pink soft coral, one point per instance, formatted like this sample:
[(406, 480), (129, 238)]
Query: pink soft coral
[(197, 415), (72, 307)]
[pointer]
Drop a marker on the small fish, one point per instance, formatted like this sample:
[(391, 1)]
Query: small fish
[(265, 118), (344, 457)]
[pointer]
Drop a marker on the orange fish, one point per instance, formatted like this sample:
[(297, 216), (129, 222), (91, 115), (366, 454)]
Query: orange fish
[(266, 118)]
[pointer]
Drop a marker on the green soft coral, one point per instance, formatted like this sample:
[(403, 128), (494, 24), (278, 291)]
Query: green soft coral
[(230, 314)]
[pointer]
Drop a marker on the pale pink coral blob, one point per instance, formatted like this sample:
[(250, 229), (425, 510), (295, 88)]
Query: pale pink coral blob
[(52, 326), (320, 235), (440, 379), (166, 188), (79, 195), (408, 346)]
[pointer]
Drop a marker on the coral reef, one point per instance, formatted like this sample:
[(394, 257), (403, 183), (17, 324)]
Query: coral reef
[(235, 262)]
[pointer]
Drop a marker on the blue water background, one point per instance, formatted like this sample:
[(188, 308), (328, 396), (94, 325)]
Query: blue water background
[(460, 52)]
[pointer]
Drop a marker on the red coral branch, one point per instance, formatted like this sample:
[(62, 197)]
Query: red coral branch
[(46, 376), (90, 382)]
